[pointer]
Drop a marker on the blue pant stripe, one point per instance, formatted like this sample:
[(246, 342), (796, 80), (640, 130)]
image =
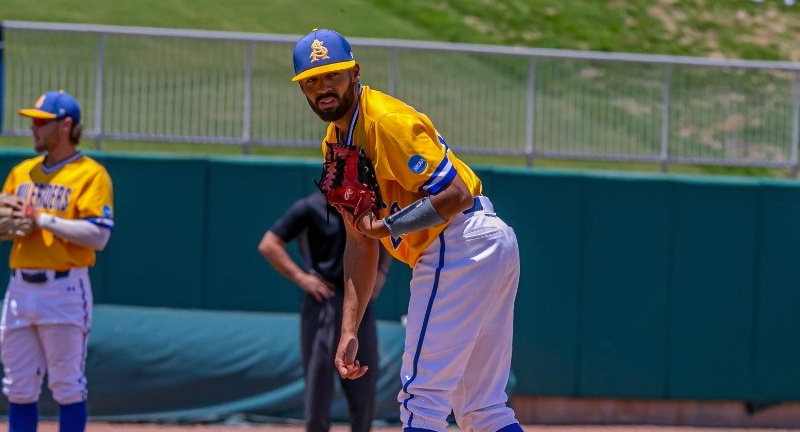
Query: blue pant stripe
[(424, 326)]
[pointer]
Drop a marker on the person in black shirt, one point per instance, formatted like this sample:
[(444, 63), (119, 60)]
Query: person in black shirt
[(320, 234)]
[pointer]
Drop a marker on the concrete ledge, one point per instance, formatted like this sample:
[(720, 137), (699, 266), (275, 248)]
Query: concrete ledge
[(572, 411)]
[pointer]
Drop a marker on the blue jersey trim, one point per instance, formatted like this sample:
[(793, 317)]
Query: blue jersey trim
[(444, 174), (353, 120), (444, 143), (86, 318), (102, 222), (73, 158), (421, 337)]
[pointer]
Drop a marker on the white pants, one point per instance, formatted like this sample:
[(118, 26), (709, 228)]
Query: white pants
[(44, 329), (460, 324)]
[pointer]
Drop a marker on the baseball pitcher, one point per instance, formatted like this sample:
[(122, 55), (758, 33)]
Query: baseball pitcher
[(395, 180)]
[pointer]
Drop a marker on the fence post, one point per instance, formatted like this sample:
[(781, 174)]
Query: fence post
[(248, 99), (529, 119), (665, 120), (98, 91), (393, 72), (795, 122)]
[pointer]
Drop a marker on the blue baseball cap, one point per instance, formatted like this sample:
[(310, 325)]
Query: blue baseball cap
[(321, 51), (55, 105)]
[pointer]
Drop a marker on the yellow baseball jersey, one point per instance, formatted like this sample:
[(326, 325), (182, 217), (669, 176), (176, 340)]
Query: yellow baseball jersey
[(411, 161), (76, 188)]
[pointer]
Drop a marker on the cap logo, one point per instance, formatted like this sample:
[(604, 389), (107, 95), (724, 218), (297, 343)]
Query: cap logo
[(318, 52), (39, 102)]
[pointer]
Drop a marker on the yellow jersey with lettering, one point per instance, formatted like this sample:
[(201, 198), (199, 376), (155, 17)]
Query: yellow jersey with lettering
[(76, 188), (411, 161)]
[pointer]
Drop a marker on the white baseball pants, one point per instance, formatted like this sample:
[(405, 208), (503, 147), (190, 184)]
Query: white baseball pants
[(460, 325), (44, 329)]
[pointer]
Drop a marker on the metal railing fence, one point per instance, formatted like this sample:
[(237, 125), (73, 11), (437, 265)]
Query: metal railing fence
[(234, 88)]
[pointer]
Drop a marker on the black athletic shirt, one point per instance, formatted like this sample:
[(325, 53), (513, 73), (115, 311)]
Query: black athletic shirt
[(320, 234)]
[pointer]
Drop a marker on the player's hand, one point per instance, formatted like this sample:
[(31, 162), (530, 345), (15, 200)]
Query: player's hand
[(368, 225), (345, 360), (317, 287), (23, 211)]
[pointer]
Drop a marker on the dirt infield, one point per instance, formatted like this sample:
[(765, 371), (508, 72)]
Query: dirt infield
[(547, 414), (133, 427)]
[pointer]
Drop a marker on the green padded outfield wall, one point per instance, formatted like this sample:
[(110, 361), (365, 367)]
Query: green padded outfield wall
[(633, 285)]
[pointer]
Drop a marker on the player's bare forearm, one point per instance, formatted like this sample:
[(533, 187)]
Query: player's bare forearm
[(360, 269), (453, 199)]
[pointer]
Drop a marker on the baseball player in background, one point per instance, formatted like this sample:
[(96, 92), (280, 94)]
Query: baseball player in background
[(320, 235), (465, 259), (47, 311)]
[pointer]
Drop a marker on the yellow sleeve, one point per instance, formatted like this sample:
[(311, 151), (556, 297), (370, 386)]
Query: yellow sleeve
[(96, 202), (412, 151)]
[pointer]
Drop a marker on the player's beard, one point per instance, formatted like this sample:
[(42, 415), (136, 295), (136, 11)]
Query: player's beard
[(344, 103), (44, 140)]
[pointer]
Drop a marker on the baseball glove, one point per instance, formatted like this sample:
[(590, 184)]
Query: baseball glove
[(348, 181), (15, 221)]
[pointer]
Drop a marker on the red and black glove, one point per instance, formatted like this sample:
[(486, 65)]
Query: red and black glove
[(348, 182)]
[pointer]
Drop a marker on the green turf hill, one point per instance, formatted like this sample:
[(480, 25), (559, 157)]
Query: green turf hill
[(741, 29)]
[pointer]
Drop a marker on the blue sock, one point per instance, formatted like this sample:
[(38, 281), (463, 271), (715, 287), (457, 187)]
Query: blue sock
[(72, 417), (514, 427), (413, 429), (23, 417)]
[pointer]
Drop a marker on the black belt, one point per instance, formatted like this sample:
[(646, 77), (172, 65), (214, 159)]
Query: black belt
[(39, 277)]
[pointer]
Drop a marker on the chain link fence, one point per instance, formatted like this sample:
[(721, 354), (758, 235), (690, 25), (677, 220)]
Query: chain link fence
[(162, 85)]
